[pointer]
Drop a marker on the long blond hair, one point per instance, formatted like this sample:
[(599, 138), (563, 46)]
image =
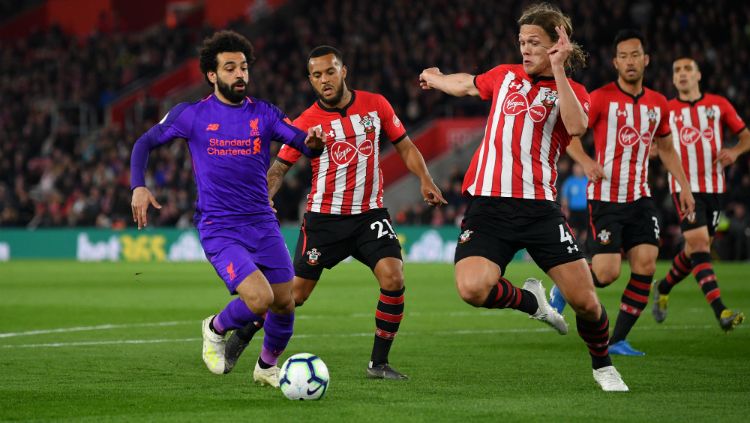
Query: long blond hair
[(548, 17)]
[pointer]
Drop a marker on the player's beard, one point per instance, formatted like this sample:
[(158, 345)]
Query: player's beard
[(230, 93), (335, 99)]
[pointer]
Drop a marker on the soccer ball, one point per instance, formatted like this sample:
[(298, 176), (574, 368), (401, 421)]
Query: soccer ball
[(304, 376)]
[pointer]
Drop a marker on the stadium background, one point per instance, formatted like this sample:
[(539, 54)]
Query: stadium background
[(81, 80)]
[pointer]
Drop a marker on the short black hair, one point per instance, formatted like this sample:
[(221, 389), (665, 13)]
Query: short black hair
[(325, 50), (222, 42), (629, 34)]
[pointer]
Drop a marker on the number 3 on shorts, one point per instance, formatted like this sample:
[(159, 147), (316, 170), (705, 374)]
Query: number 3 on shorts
[(383, 230)]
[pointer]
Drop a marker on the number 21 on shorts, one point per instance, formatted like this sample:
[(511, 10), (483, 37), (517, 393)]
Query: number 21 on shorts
[(383, 230)]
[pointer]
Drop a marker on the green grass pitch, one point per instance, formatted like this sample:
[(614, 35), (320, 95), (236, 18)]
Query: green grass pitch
[(121, 342)]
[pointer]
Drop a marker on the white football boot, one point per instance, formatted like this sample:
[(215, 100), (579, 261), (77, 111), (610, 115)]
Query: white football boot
[(213, 348), (610, 380), (269, 376), (545, 313)]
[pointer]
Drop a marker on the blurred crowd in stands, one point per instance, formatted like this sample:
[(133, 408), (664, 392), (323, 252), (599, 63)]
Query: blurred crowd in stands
[(62, 165)]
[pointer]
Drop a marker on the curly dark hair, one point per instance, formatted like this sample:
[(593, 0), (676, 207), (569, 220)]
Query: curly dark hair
[(221, 42)]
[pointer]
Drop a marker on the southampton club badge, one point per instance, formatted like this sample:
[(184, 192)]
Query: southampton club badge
[(549, 99), (312, 256), (604, 237), (652, 116), (367, 123), (465, 236)]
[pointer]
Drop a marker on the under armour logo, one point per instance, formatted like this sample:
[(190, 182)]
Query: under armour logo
[(623, 113), (331, 134), (515, 85), (572, 248), (678, 118)]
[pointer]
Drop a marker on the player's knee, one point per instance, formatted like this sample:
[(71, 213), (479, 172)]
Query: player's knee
[(607, 276), (586, 306), (472, 292), (286, 307), (392, 280), (257, 300), (698, 246), (300, 296)]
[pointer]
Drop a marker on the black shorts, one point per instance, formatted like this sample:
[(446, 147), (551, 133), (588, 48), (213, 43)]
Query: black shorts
[(496, 228), (326, 239), (616, 226), (707, 211)]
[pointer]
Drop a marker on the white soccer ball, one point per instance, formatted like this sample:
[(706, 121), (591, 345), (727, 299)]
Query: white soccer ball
[(304, 376)]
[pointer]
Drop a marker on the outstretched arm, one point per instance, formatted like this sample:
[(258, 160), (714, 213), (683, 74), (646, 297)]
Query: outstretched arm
[(456, 84), (416, 165)]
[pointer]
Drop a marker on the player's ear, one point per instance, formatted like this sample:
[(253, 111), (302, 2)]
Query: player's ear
[(646, 59), (343, 72), (211, 76)]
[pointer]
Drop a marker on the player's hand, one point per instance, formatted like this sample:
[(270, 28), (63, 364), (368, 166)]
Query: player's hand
[(142, 197), (316, 138), (727, 156), (270, 203), (562, 49), (593, 170), (426, 77), (687, 205), (432, 194)]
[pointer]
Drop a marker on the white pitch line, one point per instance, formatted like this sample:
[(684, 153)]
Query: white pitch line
[(97, 327), (109, 326), (333, 335)]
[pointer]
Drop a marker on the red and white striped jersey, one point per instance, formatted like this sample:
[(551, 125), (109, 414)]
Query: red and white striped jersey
[(523, 138), (346, 178), (697, 137), (624, 127)]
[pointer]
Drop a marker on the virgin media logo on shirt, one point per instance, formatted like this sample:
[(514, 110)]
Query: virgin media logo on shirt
[(628, 136), (342, 153), (689, 135), (516, 103)]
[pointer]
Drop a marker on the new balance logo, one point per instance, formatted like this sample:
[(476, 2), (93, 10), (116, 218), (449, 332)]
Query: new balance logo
[(212, 127)]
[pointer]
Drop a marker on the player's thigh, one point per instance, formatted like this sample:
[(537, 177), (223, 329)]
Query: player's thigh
[(482, 254), (642, 259), (324, 241), (697, 240), (574, 281)]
